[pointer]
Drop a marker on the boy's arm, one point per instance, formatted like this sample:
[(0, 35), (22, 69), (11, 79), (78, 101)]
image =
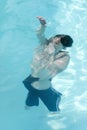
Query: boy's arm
[(59, 65), (55, 67), (40, 31)]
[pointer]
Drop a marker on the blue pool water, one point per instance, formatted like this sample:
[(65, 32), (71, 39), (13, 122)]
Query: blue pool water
[(17, 42)]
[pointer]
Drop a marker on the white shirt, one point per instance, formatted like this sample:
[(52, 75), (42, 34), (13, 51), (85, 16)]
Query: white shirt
[(50, 63), (47, 63)]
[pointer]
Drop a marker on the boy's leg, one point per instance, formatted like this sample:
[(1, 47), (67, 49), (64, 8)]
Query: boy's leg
[(51, 98), (32, 99)]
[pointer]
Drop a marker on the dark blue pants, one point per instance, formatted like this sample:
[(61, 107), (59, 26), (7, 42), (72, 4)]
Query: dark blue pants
[(50, 97)]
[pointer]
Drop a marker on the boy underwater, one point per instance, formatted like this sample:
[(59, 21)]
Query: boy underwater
[(50, 58)]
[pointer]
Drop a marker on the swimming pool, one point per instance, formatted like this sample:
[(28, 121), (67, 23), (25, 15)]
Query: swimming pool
[(17, 43)]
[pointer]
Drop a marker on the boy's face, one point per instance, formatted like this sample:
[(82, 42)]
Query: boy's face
[(57, 43), (57, 40)]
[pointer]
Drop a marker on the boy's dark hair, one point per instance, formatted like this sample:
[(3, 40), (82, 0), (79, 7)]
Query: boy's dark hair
[(66, 40)]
